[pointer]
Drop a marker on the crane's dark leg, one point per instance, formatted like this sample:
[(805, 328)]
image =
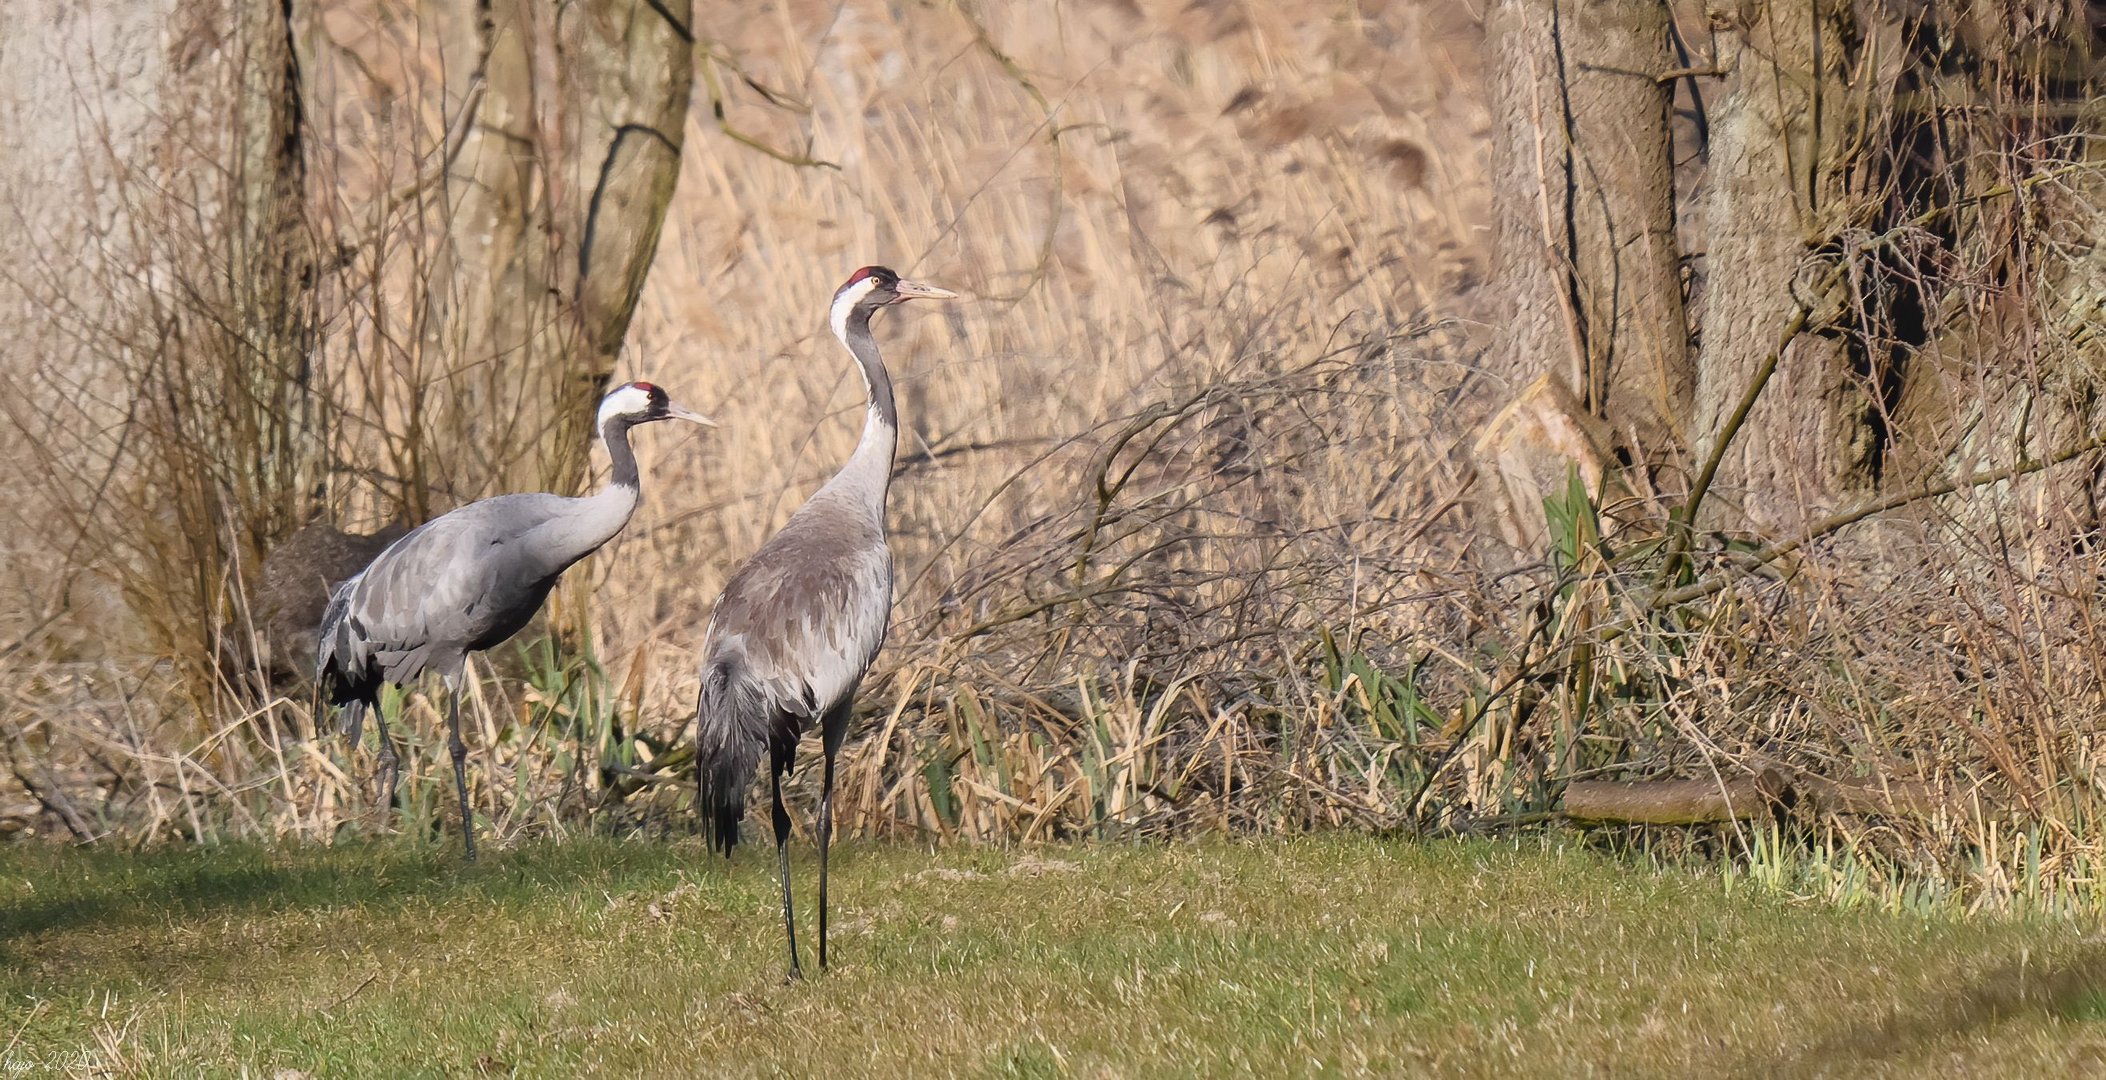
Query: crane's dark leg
[(460, 761), (782, 858), (389, 761), (834, 730), (353, 722)]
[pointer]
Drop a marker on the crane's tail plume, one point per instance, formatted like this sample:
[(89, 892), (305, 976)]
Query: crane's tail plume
[(731, 728), (337, 674)]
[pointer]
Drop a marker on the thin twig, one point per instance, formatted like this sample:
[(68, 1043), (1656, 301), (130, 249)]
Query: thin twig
[(330, 1009)]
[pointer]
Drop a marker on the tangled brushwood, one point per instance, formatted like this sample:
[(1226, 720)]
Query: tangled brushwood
[(1248, 491)]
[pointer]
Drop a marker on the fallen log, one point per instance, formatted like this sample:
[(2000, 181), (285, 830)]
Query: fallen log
[(1677, 802), (1904, 798)]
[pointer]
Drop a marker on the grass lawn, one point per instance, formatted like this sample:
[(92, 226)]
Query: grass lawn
[(1322, 954)]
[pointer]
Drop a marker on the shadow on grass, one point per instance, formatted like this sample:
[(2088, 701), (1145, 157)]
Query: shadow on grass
[(2073, 988), (83, 892)]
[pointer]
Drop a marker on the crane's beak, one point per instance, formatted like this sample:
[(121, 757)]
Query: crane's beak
[(915, 290), (675, 412)]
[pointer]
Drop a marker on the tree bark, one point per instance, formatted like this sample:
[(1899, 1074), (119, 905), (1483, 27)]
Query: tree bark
[(2011, 372), (1776, 190), (1583, 212), (553, 209), (275, 280), (634, 67)]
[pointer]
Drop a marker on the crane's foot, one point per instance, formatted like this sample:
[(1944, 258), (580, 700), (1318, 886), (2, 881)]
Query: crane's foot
[(794, 976)]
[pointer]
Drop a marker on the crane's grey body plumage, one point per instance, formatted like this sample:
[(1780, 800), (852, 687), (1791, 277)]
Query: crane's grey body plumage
[(801, 621), (797, 626), (467, 580), (462, 582)]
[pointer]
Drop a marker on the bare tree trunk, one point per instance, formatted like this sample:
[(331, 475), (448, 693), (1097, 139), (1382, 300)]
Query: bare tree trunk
[(1583, 212), (1780, 139), (634, 67), (275, 254), (181, 257), (553, 207), (2011, 331)]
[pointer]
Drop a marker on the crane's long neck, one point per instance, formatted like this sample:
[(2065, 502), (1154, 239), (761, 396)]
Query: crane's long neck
[(616, 434), (869, 470), (597, 517)]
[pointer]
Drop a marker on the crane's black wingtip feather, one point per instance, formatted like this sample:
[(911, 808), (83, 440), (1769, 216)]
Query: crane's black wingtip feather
[(723, 829), (720, 796)]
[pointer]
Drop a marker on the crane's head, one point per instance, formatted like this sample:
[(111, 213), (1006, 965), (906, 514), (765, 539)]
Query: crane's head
[(643, 403), (874, 287)]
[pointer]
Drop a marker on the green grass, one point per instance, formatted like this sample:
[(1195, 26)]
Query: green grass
[(1323, 954)]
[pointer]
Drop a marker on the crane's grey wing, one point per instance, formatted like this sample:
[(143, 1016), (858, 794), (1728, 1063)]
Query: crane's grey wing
[(329, 635), (440, 590), (791, 636), (807, 629)]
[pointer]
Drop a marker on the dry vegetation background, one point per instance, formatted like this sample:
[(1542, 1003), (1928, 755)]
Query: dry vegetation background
[(1189, 521)]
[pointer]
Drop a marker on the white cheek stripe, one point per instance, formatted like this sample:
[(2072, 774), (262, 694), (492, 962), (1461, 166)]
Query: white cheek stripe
[(628, 399), (846, 302)]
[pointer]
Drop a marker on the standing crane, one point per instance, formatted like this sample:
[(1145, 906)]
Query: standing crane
[(800, 622), (467, 580)]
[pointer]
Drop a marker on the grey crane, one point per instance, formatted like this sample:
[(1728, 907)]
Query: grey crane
[(467, 580), (800, 622)]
